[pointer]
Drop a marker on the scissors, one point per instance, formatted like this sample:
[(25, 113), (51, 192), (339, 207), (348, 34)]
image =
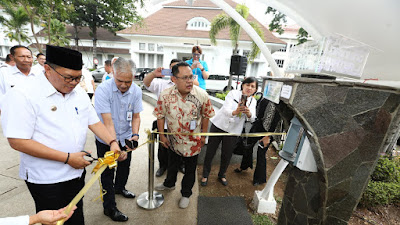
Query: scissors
[(90, 156)]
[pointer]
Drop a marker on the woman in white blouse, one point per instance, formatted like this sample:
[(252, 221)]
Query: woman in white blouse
[(239, 107)]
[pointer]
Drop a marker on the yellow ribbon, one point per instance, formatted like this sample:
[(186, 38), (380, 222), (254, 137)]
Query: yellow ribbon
[(109, 160), (261, 134)]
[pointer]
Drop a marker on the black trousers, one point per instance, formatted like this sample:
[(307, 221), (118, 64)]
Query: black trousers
[(57, 196), (107, 177), (190, 172), (247, 160), (162, 151), (228, 143), (260, 173)]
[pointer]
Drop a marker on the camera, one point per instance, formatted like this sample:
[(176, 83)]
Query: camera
[(166, 72), (243, 100), (131, 144)]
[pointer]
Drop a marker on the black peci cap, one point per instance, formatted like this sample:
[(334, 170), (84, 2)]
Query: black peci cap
[(64, 57)]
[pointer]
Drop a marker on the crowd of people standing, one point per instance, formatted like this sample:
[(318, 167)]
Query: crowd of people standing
[(57, 112)]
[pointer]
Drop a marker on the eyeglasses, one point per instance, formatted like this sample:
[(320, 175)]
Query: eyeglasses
[(186, 78), (69, 79), (196, 54)]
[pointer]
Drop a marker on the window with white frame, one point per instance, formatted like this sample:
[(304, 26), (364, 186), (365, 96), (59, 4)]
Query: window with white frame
[(282, 49), (99, 58), (160, 60), (142, 46), (279, 62), (160, 48), (151, 47), (150, 60), (198, 23), (142, 60)]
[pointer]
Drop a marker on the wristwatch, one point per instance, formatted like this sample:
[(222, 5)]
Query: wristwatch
[(202, 69)]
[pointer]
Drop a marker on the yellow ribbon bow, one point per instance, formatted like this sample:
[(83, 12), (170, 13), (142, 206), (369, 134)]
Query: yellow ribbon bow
[(109, 159)]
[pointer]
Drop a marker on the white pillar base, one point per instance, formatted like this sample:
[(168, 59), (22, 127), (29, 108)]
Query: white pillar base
[(263, 205)]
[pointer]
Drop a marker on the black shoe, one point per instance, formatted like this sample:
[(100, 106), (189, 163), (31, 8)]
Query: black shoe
[(238, 170), (125, 193), (203, 183), (115, 214), (225, 183), (160, 172)]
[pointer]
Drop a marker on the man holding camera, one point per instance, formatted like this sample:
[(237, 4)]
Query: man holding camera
[(118, 103)]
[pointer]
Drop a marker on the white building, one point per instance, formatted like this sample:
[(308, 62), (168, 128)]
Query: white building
[(172, 31), (109, 45)]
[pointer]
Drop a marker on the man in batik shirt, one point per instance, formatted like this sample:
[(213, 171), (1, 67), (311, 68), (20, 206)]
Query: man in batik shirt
[(187, 109)]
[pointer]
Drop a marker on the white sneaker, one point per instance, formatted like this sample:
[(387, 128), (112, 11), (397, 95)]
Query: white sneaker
[(184, 203), (161, 187)]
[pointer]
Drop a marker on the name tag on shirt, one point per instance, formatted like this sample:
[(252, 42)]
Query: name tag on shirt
[(192, 125), (129, 116)]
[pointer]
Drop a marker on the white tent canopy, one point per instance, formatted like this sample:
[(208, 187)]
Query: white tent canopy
[(371, 22)]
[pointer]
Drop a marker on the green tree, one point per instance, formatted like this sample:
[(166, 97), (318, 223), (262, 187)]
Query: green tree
[(59, 35), (33, 8), (279, 20), (15, 24), (223, 21), (40, 12), (109, 14)]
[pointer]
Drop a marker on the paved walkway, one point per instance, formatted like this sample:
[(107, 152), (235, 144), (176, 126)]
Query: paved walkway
[(15, 198)]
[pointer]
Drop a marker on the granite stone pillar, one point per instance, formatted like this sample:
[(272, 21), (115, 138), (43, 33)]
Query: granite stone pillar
[(348, 126)]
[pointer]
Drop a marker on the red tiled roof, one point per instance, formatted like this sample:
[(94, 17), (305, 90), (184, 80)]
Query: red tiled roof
[(84, 33), (90, 49), (172, 21)]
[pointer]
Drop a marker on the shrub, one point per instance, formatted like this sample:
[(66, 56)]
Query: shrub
[(381, 193), (384, 186), (221, 95), (387, 170)]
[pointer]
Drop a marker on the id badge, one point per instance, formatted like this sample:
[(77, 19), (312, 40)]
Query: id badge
[(192, 125), (129, 116)]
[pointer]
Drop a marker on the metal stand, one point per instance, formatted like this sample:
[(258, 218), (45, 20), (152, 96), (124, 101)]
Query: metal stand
[(151, 199)]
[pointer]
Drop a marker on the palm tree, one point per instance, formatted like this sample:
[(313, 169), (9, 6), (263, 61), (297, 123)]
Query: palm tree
[(59, 35), (223, 21), (17, 19)]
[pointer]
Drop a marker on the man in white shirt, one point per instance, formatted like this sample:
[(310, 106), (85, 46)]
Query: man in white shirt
[(39, 68), (108, 68), (13, 75), (9, 62), (47, 121), (89, 82)]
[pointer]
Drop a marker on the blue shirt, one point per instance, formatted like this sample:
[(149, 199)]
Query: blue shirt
[(197, 71), (110, 100)]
